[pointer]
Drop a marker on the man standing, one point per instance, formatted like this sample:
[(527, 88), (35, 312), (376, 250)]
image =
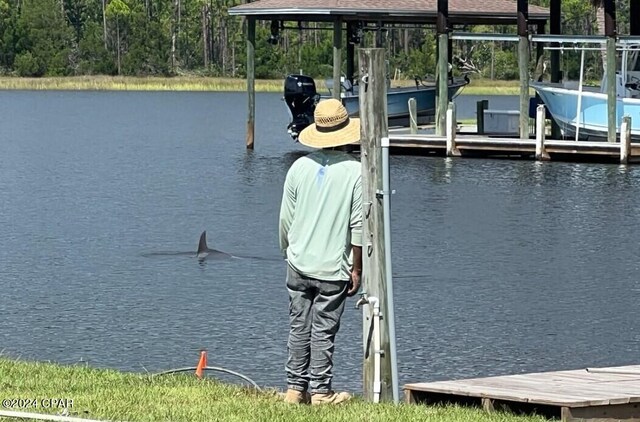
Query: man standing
[(321, 239)]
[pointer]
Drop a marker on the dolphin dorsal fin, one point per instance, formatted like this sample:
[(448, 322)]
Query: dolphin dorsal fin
[(202, 246)]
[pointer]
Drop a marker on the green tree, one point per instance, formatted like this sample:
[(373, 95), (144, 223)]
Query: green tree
[(8, 19), (118, 14), (94, 57), (46, 37), (149, 45)]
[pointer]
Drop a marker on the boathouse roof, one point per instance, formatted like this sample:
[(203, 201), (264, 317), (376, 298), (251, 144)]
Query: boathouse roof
[(392, 11)]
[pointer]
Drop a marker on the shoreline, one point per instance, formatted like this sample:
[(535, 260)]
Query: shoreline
[(204, 84), (106, 394)]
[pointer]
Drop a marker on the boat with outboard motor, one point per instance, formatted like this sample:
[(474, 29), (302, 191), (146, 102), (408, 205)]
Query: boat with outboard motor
[(301, 97)]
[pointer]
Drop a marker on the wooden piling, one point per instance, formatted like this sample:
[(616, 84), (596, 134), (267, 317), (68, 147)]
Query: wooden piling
[(610, 33), (443, 65), (373, 115), (555, 27), (625, 139), (337, 57), (413, 115), (523, 65), (251, 80), (481, 106), (541, 152), (452, 151), (350, 52), (634, 24)]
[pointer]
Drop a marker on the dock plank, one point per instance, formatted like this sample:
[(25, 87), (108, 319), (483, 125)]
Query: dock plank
[(507, 146), (572, 388)]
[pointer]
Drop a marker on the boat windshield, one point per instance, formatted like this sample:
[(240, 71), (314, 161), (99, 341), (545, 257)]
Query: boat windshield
[(634, 60)]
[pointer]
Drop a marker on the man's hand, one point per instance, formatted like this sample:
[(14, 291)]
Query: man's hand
[(356, 271), (354, 283)]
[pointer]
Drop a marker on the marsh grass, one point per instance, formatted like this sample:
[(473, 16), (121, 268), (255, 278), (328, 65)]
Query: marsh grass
[(111, 395), (193, 83)]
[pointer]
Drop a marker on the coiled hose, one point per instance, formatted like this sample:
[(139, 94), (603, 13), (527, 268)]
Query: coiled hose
[(212, 368)]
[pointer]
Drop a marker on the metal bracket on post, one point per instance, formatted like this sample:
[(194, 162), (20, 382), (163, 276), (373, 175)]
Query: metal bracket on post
[(381, 193), (365, 81)]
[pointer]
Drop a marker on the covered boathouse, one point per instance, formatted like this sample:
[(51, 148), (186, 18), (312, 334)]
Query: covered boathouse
[(348, 15)]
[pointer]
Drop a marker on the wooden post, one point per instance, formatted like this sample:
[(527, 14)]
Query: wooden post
[(452, 151), (625, 139), (251, 80), (634, 23), (540, 53), (413, 115), (523, 64), (610, 33), (481, 106), (337, 57), (379, 41), (555, 27), (443, 66), (350, 52), (541, 152), (373, 115)]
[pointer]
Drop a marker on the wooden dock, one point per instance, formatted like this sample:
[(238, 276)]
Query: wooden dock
[(592, 394), (467, 145)]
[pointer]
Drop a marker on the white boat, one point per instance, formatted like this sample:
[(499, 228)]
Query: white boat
[(581, 112)]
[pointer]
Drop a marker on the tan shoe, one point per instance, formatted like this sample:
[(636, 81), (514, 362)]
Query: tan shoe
[(330, 398), (297, 397)]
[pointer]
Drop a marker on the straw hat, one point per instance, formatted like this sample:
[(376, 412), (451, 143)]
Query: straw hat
[(333, 127)]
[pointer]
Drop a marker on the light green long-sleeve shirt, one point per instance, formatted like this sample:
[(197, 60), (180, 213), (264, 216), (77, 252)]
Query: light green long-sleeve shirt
[(321, 214)]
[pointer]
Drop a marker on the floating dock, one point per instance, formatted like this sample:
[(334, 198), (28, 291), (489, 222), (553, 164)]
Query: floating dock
[(592, 394), (467, 145)]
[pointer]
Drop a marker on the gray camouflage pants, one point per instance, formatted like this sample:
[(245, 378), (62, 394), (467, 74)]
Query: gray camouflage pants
[(315, 308)]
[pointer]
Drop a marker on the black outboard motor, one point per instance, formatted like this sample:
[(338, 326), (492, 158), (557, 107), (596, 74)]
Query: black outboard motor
[(301, 98)]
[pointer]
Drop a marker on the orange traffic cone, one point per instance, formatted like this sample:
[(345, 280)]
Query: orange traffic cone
[(202, 364)]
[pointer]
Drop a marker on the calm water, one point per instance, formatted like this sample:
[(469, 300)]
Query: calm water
[(502, 266)]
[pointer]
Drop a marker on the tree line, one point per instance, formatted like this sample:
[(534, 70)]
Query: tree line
[(198, 37)]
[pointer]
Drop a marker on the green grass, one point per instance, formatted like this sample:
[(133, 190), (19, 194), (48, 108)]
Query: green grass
[(128, 83), (194, 83), (108, 394)]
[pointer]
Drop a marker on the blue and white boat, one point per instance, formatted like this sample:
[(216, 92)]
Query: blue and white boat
[(581, 112), (398, 100), (301, 97)]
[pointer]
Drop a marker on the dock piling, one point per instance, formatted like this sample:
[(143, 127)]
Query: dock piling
[(251, 80), (541, 152), (337, 57), (625, 139), (481, 106), (442, 77), (452, 151), (523, 65), (374, 128), (413, 115)]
